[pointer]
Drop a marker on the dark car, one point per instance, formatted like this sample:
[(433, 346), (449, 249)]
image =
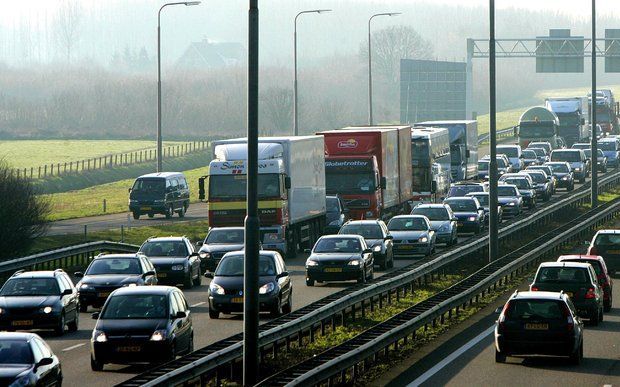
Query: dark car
[(443, 221), (578, 281), (461, 189), (219, 241), (226, 287), (577, 160), (141, 325), (483, 199), (601, 160), (503, 166), (510, 199), (174, 259), (340, 258), (541, 154), (39, 300), (563, 174), (525, 185), (27, 360), (412, 235), (553, 182), (159, 193), (108, 272), (546, 145), (606, 243), (468, 212), (602, 274), (611, 148), (377, 237), (529, 157), (539, 323), (542, 186), (336, 214)]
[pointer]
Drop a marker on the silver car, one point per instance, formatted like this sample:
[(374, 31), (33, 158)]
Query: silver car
[(412, 234)]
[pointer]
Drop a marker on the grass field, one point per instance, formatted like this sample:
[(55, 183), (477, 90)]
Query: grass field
[(32, 153), (505, 119)]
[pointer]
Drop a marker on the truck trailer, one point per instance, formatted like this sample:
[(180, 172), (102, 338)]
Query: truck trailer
[(571, 112), (291, 189), (430, 155), (370, 167), (538, 124)]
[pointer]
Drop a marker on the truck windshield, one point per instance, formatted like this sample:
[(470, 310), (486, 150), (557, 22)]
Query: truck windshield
[(349, 182), (234, 187), (570, 156), (421, 179), (455, 154), (569, 119), (535, 130), (420, 152)]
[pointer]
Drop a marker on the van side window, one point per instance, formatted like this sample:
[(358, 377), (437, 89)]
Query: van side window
[(175, 184), (182, 183)]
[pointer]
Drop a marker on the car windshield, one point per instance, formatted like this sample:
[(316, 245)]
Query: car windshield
[(232, 266), (534, 310), (432, 213), (462, 205), (15, 352), (566, 155), (538, 151), (607, 240), (462, 190), (114, 266), (368, 231), (332, 204), (607, 145), (149, 185), (164, 249), (483, 165), (520, 183), (538, 177), (506, 191), (529, 154), (501, 163), (136, 306), (559, 168), (595, 264), (30, 287), (562, 275), (543, 145), (510, 152), (225, 237), (407, 224), (338, 245), (482, 199)]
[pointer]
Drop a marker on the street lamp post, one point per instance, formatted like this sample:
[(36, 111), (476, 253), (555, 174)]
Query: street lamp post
[(370, 121), (493, 215), (593, 140), (159, 142), (295, 111)]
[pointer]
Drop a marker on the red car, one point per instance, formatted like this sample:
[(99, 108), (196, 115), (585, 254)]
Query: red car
[(602, 274)]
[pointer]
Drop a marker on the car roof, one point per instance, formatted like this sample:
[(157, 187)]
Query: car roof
[(458, 183), (117, 256), (37, 274), (537, 295), (169, 238), (367, 221), (157, 289), (340, 236), (270, 253), (579, 256), (477, 194), (511, 175), (17, 335), (556, 162), (162, 175), (225, 228), (459, 198), (608, 231), (565, 264), (431, 205), (409, 216)]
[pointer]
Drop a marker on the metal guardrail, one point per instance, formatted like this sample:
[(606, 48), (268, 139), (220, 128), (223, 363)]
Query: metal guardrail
[(502, 133), (380, 337), (228, 351)]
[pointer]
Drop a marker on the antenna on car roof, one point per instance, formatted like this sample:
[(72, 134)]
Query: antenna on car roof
[(18, 272)]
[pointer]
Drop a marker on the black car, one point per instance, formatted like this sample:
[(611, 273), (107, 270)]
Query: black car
[(159, 193), (39, 300), (563, 174), (606, 243), (539, 323), (601, 160), (336, 214), (510, 199), (226, 287), (468, 212), (108, 272), (524, 184), (219, 241), (141, 324), (462, 188), (542, 186), (483, 199), (553, 182), (27, 360), (174, 259), (340, 258), (377, 237)]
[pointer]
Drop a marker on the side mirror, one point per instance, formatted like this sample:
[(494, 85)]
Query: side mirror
[(198, 244), (129, 190), (346, 210), (194, 254), (209, 275), (455, 219), (78, 274), (499, 310), (67, 292), (383, 183), (480, 208), (45, 361), (283, 274), (389, 237), (583, 121), (367, 251), (307, 251), (287, 182), (148, 273), (180, 314), (95, 315)]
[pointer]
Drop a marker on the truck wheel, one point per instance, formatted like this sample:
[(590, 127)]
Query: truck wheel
[(136, 215)]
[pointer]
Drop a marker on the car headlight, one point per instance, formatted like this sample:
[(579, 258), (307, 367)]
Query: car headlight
[(368, 213), (215, 288), (354, 262), (511, 204), (423, 239), (577, 169), (130, 285), (267, 288), (159, 335), (85, 286), (24, 380), (1, 311), (311, 262), (177, 267), (204, 255), (47, 310), (99, 336), (131, 201), (471, 219), (565, 178), (377, 248)]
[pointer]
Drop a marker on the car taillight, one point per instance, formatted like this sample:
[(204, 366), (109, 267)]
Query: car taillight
[(590, 293), (533, 289), (502, 318), (570, 323), (592, 251)]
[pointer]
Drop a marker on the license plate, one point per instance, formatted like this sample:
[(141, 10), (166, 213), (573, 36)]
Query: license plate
[(536, 327), (146, 208), (332, 270), (237, 300), (21, 323), (129, 348), (103, 294), (613, 251), (460, 224), (162, 275), (406, 247)]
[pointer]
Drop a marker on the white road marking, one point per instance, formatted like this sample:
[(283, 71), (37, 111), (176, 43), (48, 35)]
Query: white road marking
[(73, 347), (198, 304), (453, 356)]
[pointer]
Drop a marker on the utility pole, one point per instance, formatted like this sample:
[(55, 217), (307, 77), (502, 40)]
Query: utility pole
[(493, 215), (594, 158)]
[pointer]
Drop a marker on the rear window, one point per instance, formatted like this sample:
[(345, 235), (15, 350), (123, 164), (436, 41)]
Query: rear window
[(508, 151), (598, 268), (538, 177), (607, 145), (534, 310), (562, 275), (570, 156), (607, 240), (529, 154), (462, 190)]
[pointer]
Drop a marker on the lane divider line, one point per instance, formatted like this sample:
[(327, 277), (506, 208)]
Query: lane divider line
[(453, 356), (198, 304), (73, 347)]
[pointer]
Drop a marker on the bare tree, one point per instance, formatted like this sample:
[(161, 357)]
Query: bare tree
[(278, 105), (392, 44), (67, 26)]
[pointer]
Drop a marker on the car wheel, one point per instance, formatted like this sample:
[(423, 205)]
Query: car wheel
[(188, 282), (600, 315), (576, 357), (83, 308), (594, 317), (169, 212), (288, 307), (150, 215), (198, 280), (499, 357), (361, 279), (73, 325), (95, 365), (182, 212), (571, 187), (214, 314), (607, 305), (190, 344), (60, 329), (173, 352), (136, 215), (582, 180), (391, 261), (309, 282), (371, 276), (276, 310)]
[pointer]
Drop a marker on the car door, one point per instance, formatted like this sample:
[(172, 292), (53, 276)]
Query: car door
[(285, 281), (388, 241), (70, 301), (180, 324), (45, 373), (146, 267), (194, 259)]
